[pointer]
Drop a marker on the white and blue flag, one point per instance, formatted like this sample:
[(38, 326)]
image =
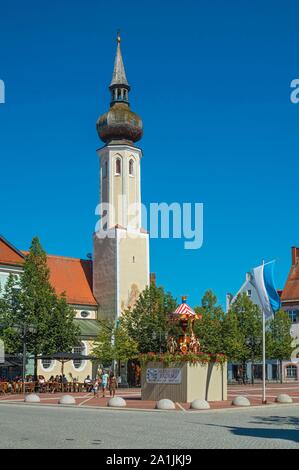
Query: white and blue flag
[(264, 283)]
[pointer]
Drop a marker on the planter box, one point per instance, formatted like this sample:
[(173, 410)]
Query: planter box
[(184, 382)]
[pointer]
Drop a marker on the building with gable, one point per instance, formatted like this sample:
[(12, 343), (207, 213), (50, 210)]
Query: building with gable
[(102, 287)]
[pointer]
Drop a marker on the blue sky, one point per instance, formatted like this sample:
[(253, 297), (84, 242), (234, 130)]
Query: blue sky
[(211, 81)]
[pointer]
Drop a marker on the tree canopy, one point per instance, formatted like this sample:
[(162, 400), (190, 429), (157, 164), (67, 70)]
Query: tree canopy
[(148, 321), (114, 343), (210, 328)]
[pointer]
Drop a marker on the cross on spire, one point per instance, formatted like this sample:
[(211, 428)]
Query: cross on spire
[(119, 73)]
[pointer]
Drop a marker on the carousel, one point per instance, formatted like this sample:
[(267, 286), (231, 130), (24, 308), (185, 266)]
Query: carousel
[(185, 376), (187, 341)]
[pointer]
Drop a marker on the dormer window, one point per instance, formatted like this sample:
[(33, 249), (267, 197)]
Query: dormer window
[(131, 167), (118, 166)]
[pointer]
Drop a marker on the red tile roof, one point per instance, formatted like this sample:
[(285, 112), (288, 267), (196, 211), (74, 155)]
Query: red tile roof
[(70, 275), (291, 290), (9, 254)]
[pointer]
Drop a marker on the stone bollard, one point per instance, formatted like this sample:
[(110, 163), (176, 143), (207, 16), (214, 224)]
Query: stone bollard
[(117, 402), (32, 398), (67, 400), (283, 398), (200, 405), (165, 404), (240, 401)]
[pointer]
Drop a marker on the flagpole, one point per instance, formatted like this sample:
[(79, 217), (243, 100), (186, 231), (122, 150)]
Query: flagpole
[(269, 305), (264, 399)]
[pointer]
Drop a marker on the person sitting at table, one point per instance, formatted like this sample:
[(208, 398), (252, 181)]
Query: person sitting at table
[(41, 382), (88, 383)]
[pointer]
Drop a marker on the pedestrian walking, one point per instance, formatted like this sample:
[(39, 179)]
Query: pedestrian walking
[(95, 389), (104, 383), (112, 384)]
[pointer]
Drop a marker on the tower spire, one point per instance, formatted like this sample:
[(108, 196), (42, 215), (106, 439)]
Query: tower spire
[(119, 73), (120, 124)]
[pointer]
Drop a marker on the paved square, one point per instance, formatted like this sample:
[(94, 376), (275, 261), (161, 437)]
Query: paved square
[(26, 426)]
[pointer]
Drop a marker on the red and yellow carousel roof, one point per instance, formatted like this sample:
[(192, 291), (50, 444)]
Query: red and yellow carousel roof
[(184, 311)]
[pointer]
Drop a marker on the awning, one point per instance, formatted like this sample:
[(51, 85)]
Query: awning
[(88, 328)]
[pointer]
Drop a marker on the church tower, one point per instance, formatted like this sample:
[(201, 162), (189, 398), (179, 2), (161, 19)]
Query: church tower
[(121, 246)]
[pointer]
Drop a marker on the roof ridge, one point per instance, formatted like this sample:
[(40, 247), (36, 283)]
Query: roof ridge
[(70, 258)]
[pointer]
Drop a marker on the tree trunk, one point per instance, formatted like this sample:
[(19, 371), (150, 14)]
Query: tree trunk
[(280, 367)]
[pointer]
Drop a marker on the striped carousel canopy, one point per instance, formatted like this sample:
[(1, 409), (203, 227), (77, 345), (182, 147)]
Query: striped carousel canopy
[(184, 311)]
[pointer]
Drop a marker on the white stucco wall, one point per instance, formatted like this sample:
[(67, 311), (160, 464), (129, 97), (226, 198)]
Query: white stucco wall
[(5, 271)]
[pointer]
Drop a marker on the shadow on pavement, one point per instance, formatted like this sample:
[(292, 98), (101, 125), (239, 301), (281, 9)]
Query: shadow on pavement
[(269, 432)]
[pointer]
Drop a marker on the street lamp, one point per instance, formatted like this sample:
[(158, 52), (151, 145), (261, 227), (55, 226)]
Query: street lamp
[(24, 329)]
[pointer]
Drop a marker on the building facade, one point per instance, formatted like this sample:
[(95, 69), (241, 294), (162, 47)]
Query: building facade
[(272, 367), (289, 302), (103, 287), (74, 277)]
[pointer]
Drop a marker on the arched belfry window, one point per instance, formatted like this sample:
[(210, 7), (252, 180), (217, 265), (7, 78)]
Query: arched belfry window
[(131, 167), (118, 166)]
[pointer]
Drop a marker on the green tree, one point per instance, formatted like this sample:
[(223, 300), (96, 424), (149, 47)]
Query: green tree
[(10, 315), (65, 333), (233, 338), (32, 302), (279, 339), (37, 299), (250, 324), (102, 347), (210, 328), (148, 321)]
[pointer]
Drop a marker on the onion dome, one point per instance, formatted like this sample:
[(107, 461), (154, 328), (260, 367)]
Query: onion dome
[(119, 124)]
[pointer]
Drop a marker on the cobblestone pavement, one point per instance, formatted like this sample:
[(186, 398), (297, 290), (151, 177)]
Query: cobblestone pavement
[(52, 427)]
